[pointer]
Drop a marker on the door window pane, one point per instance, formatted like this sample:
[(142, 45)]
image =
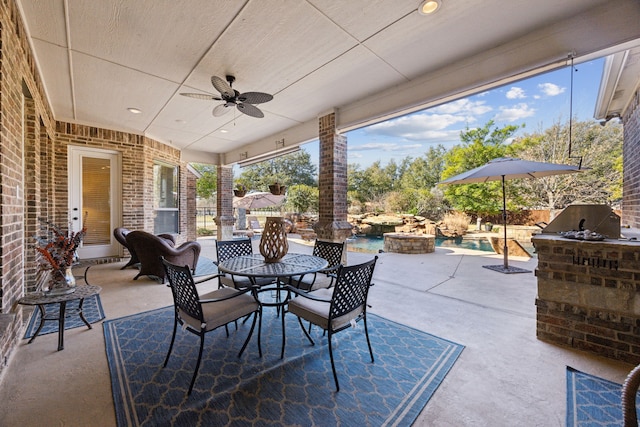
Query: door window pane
[(96, 196), (165, 181)]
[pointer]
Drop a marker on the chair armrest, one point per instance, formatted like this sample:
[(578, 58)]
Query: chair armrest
[(207, 278), (304, 294), (330, 270)]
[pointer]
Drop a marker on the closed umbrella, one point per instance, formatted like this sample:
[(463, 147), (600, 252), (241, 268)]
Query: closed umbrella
[(501, 169), (257, 200)]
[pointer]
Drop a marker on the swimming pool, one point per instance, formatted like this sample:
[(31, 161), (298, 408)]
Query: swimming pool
[(374, 244)]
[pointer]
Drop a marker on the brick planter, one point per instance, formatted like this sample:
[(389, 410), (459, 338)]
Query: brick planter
[(409, 243), (589, 295)]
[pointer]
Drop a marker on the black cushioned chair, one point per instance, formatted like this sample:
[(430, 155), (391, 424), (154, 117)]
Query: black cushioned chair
[(335, 309), (332, 252), (120, 234), (201, 314), (226, 249), (149, 248)]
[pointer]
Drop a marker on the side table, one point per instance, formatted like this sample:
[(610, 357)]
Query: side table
[(41, 300)]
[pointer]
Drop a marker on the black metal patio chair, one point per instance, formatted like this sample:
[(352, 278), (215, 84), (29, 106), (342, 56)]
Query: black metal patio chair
[(226, 249), (333, 253), (202, 314), (335, 309)]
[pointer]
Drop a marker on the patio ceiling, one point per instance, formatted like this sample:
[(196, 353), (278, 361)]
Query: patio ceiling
[(368, 60)]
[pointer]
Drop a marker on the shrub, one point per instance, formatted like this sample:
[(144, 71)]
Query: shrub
[(457, 221)]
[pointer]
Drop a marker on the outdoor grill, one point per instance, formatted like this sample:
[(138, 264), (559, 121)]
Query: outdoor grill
[(599, 219)]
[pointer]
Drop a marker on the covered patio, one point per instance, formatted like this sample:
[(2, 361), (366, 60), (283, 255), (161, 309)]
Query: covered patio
[(504, 376), (106, 77)]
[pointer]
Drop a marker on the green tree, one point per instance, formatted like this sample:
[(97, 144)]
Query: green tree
[(290, 169), (302, 198), (598, 149), (207, 184), (424, 172), (478, 147)]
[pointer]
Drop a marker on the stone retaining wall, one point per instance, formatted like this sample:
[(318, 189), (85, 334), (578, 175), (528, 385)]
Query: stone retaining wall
[(409, 243)]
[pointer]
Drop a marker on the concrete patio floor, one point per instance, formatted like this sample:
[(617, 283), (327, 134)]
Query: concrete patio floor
[(504, 377)]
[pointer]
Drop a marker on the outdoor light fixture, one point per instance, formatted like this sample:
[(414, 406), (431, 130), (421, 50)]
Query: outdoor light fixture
[(429, 7)]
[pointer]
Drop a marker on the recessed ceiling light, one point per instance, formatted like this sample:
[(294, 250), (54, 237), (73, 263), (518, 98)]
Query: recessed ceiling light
[(429, 7), (180, 121), (223, 131), (134, 110)]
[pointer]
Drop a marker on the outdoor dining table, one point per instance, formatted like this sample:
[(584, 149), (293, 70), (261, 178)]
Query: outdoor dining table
[(290, 266)]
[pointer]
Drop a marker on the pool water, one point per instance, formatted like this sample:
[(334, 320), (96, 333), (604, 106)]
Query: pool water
[(374, 244)]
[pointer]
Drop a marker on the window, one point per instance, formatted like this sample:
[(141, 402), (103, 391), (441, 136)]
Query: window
[(165, 198)]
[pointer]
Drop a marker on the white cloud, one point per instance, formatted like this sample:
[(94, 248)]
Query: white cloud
[(517, 112), (550, 89), (421, 127), (462, 106), (515, 93)]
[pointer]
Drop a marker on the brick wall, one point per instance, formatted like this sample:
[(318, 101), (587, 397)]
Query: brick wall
[(589, 296), (33, 172), (631, 159), (138, 154)]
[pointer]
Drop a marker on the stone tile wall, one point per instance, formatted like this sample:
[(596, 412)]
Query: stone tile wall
[(402, 243), (589, 295)]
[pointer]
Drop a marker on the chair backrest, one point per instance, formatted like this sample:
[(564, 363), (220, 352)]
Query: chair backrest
[(254, 224), (629, 393), (351, 289), (183, 288), (331, 251), (120, 234), (226, 249)]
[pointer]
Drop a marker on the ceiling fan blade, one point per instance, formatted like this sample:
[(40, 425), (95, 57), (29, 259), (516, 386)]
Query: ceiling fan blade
[(250, 110), (222, 87), (254, 97), (202, 96), (222, 109)]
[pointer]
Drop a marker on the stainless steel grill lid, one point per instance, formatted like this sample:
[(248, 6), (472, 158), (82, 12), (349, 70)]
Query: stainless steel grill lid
[(597, 218)]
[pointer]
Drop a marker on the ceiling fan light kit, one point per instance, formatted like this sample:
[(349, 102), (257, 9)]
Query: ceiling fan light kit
[(244, 102)]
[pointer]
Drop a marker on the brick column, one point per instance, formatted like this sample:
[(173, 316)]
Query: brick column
[(332, 182), (224, 203), (631, 167)]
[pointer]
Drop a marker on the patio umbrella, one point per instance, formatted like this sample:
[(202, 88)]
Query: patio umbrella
[(501, 169), (257, 200)]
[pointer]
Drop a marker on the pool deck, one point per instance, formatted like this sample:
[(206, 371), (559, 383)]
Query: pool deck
[(504, 376)]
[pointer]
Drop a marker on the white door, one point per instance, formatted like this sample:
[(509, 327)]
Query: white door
[(94, 199)]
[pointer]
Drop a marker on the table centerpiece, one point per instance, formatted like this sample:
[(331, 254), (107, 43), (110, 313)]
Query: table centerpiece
[(57, 247)]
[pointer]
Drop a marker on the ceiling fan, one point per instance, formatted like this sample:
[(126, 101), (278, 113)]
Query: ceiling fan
[(242, 101)]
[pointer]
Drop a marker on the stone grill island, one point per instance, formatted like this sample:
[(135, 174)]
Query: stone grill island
[(589, 291)]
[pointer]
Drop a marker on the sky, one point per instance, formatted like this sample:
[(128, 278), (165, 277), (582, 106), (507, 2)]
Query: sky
[(537, 102)]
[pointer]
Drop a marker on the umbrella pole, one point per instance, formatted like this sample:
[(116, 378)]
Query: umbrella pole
[(504, 224)]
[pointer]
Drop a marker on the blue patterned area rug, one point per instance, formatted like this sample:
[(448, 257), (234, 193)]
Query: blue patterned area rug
[(252, 391), (593, 401), (92, 309)]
